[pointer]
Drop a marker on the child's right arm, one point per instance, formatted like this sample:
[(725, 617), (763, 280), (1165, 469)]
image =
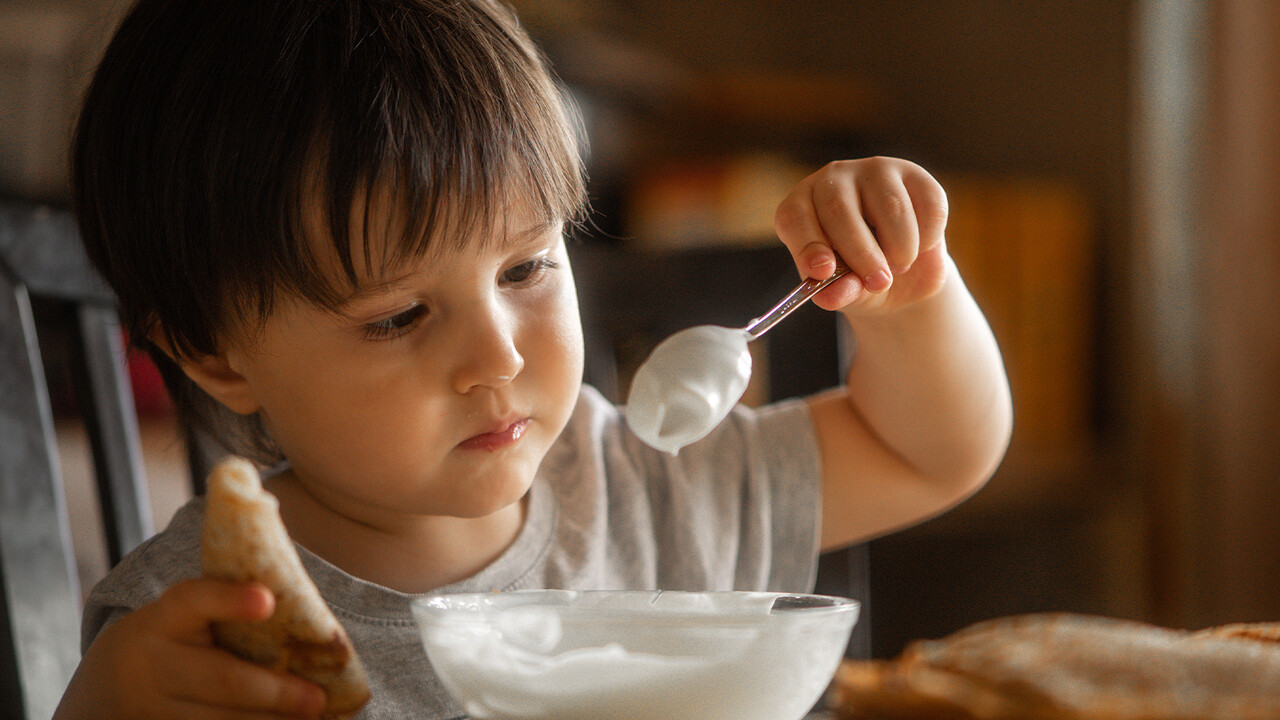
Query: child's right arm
[(925, 414), (159, 661)]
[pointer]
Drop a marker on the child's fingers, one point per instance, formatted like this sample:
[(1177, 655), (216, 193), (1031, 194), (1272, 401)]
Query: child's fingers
[(837, 204), (213, 677), (888, 207), (930, 203), (185, 610), (798, 229), (877, 215), (822, 207)]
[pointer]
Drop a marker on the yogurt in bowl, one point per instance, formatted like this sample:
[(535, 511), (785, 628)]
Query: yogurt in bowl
[(635, 655)]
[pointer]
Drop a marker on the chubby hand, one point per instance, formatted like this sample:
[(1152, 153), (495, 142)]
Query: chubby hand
[(160, 662), (883, 217)]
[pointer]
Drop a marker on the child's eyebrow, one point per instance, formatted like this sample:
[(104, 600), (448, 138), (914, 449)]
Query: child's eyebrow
[(509, 241), (379, 288)]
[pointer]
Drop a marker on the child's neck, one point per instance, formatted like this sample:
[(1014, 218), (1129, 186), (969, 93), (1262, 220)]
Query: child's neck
[(418, 556)]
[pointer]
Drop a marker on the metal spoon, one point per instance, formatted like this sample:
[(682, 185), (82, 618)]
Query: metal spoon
[(798, 297)]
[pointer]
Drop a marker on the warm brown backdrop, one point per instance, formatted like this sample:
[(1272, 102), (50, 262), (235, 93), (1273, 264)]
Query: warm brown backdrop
[(1114, 167)]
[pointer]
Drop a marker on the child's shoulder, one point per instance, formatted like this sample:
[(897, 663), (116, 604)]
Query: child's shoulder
[(169, 556)]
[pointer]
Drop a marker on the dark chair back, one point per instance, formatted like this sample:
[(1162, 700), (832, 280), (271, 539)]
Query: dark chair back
[(45, 280), (632, 300)]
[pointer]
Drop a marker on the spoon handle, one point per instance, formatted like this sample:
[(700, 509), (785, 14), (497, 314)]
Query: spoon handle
[(798, 297)]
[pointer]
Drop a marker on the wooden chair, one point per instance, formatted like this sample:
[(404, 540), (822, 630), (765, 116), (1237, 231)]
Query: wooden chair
[(45, 280), (632, 300)]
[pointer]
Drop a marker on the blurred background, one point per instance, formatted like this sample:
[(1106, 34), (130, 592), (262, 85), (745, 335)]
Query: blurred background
[(1111, 167)]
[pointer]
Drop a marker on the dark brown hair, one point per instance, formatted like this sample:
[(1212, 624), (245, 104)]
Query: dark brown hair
[(213, 129)]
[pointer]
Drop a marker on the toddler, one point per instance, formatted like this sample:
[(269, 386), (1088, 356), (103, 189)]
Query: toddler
[(338, 226)]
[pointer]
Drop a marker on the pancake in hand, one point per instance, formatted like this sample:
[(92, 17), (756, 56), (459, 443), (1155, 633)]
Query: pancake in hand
[(245, 540)]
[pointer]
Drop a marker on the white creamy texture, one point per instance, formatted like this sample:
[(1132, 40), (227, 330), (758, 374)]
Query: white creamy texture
[(571, 663), (687, 385)]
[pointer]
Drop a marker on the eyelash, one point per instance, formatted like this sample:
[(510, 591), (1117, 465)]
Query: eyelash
[(394, 326), (534, 269), (403, 322)]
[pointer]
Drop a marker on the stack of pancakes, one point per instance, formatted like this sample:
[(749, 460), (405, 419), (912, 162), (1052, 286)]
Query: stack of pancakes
[(1070, 667)]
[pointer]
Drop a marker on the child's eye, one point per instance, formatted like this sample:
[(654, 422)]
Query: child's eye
[(396, 325), (529, 270)]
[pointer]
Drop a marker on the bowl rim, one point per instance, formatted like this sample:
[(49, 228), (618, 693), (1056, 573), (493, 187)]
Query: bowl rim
[(454, 605)]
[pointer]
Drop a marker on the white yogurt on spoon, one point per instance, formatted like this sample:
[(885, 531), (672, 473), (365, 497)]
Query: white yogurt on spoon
[(688, 385), (691, 380)]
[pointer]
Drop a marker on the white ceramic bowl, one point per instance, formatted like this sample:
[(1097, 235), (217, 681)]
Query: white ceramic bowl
[(635, 655)]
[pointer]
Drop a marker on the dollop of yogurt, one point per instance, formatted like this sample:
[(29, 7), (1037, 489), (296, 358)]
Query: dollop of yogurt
[(687, 385)]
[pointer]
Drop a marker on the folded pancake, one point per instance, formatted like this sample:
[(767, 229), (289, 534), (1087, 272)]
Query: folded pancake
[(1258, 632), (1070, 667), (244, 539)]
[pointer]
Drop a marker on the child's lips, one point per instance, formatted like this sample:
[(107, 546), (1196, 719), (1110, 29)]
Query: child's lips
[(497, 439)]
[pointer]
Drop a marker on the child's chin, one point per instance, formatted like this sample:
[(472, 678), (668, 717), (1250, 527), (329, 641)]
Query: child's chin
[(496, 500)]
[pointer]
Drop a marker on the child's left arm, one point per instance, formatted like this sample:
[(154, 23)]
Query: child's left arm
[(925, 416)]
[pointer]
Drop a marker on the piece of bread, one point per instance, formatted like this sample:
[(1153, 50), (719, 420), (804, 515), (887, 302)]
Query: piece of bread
[(1257, 632), (244, 539), (1069, 667)]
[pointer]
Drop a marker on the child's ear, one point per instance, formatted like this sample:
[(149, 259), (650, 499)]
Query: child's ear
[(215, 374)]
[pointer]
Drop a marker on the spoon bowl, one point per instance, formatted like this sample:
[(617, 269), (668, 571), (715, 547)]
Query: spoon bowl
[(692, 379)]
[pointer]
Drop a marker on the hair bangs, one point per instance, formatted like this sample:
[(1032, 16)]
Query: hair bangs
[(460, 123)]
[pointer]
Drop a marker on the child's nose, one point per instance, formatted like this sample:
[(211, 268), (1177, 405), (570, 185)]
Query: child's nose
[(490, 358)]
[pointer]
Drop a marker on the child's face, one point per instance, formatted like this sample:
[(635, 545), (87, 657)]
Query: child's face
[(437, 392)]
